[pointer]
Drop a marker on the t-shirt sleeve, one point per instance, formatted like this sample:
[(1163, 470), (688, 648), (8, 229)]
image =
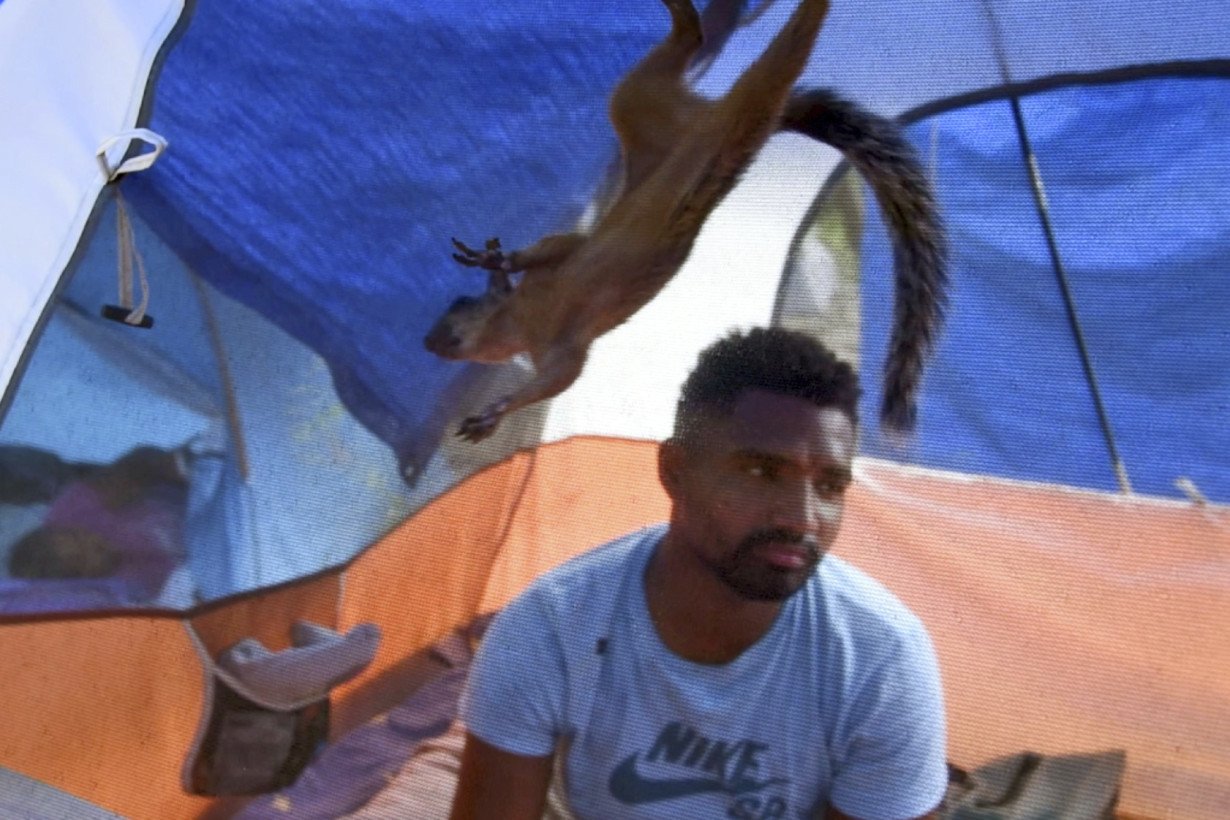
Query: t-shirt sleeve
[(891, 756), (513, 698)]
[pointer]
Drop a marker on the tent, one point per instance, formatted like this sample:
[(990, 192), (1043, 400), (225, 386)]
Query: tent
[(1059, 519)]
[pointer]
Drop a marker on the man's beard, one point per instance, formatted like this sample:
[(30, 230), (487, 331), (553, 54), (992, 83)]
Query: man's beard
[(754, 579)]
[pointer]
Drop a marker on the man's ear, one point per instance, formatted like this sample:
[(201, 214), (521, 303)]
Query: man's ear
[(671, 458)]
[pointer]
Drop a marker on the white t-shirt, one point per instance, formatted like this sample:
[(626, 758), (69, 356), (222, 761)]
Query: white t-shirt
[(840, 702)]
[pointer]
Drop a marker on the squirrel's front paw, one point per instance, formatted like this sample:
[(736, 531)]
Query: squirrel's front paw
[(476, 428), (490, 258)]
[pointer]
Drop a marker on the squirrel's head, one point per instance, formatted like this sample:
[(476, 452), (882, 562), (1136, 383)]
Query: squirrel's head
[(468, 331)]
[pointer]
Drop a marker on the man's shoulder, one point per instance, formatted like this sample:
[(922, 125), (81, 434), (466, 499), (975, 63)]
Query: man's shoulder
[(858, 606), (591, 577)]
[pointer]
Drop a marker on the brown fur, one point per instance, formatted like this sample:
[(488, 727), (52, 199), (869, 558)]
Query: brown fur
[(681, 155)]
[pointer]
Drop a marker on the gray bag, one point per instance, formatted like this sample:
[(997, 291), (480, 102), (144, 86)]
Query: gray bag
[(1029, 786)]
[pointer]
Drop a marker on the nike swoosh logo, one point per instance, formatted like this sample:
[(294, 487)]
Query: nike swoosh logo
[(629, 786)]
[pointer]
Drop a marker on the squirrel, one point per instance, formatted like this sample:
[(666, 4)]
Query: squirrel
[(681, 155)]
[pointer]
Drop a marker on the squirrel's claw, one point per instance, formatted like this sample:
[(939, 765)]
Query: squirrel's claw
[(476, 428), (492, 258)]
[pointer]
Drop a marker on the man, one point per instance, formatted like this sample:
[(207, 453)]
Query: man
[(718, 667)]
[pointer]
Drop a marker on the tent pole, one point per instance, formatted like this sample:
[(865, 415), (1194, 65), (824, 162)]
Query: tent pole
[(1044, 216), (1035, 181), (224, 373)]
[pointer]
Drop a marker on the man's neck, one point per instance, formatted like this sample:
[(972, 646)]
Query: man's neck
[(696, 615)]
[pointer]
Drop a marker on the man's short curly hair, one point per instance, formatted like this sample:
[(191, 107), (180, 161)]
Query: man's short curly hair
[(773, 359)]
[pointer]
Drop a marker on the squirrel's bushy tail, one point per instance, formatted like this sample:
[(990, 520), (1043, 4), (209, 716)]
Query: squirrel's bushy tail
[(879, 150)]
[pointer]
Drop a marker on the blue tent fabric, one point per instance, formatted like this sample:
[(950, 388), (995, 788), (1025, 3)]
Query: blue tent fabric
[(324, 155), (1137, 176), (321, 157), (94, 389)]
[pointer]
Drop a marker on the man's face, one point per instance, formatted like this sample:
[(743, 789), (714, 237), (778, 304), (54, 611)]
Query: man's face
[(758, 496)]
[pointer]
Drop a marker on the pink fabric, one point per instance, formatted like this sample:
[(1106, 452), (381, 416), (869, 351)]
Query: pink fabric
[(147, 534)]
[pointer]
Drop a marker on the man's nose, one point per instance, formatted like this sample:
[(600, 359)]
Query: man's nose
[(800, 507), (796, 507)]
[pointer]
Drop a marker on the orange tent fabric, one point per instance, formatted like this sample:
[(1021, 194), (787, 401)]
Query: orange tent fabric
[(1065, 621)]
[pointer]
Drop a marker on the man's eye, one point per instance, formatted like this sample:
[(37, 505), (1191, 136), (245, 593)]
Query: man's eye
[(758, 471)]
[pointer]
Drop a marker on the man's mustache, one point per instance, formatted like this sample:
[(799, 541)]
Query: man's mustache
[(760, 538)]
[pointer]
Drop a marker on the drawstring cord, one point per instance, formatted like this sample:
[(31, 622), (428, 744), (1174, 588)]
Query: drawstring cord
[(129, 256)]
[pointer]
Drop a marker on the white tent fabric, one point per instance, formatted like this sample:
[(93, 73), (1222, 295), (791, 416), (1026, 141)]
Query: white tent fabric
[(75, 75)]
